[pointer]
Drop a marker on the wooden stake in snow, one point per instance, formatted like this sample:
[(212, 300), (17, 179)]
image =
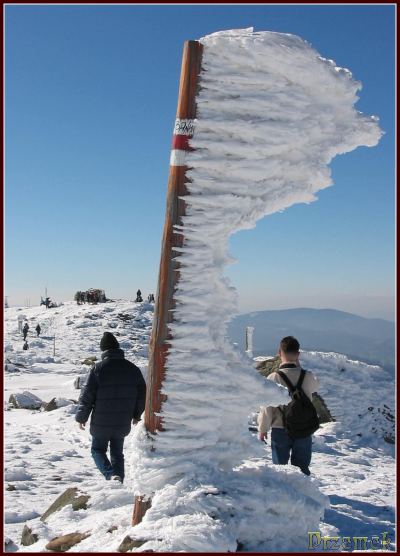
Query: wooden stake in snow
[(169, 268)]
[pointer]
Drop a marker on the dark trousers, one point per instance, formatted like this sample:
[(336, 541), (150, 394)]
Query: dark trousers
[(298, 449), (99, 453)]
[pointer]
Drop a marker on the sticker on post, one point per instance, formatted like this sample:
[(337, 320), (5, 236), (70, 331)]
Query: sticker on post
[(183, 131)]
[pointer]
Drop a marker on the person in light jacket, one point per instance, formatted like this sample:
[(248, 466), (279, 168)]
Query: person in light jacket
[(282, 445), (114, 395)]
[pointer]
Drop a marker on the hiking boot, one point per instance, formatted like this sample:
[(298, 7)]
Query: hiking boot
[(116, 478)]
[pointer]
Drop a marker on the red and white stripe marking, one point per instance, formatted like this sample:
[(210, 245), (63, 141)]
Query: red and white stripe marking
[(183, 130)]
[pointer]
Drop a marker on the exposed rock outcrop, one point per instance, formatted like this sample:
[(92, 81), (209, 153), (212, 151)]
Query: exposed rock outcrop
[(71, 496), (65, 542), (26, 400), (128, 543), (27, 537)]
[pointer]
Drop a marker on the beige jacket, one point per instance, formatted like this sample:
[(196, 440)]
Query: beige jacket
[(271, 417)]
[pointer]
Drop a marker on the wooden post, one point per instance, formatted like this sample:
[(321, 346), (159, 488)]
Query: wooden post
[(169, 268)]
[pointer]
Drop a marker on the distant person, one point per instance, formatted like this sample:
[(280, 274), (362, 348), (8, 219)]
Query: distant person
[(25, 346), (38, 329), (292, 425), (115, 395), (150, 298), (20, 321), (139, 298), (25, 330), (47, 302)]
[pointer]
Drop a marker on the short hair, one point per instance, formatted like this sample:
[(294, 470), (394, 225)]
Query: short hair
[(289, 345)]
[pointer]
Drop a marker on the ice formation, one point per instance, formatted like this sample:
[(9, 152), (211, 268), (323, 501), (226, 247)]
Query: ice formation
[(271, 116)]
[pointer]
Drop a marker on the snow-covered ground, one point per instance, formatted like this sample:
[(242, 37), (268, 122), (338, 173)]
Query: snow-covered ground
[(46, 453)]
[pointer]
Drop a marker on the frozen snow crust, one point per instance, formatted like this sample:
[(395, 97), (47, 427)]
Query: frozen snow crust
[(271, 116)]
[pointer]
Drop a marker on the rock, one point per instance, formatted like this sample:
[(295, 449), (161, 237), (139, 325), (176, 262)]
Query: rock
[(70, 496), (11, 368), (322, 410), (27, 537), (89, 360), (125, 316), (56, 403), (51, 406), (128, 543), (11, 487), (10, 545), (65, 542), (389, 438), (80, 381), (26, 400), (80, 503), (268, 366), (112, 529), (16, 364)]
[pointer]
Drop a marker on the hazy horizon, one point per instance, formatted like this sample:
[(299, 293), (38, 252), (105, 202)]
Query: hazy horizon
[(379, 307)]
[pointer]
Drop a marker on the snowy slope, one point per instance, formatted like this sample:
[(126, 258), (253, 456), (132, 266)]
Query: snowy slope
[(46, 453)]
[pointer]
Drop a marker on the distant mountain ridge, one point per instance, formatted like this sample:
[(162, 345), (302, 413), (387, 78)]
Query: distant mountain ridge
[(368, 340)]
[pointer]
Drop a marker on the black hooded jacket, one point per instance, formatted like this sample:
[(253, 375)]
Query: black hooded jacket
[(115, 393)]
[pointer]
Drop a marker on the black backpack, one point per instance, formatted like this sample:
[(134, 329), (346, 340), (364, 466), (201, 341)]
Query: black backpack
[(299, 416)]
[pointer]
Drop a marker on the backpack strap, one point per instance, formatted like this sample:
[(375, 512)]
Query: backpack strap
[(299, 384), (290, 386)]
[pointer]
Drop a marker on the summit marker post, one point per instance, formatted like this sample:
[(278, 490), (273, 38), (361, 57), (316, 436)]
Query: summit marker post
[(168, 277)]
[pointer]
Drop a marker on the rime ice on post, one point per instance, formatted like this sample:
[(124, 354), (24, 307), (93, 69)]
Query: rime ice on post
[(271, 115)]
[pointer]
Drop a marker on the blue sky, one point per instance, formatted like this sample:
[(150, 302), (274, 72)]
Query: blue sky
[(91, 95)]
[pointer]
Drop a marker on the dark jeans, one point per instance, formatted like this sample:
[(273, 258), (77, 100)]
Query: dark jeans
[(300, 448), (99, 454)]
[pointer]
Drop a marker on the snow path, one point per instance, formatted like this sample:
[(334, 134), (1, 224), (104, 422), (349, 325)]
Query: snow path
[(45, 453)]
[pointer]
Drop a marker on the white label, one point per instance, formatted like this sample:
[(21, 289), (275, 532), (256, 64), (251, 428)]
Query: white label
[(178, 157), (184, 127)]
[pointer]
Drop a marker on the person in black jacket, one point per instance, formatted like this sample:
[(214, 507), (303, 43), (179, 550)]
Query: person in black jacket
[(115, 395)]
